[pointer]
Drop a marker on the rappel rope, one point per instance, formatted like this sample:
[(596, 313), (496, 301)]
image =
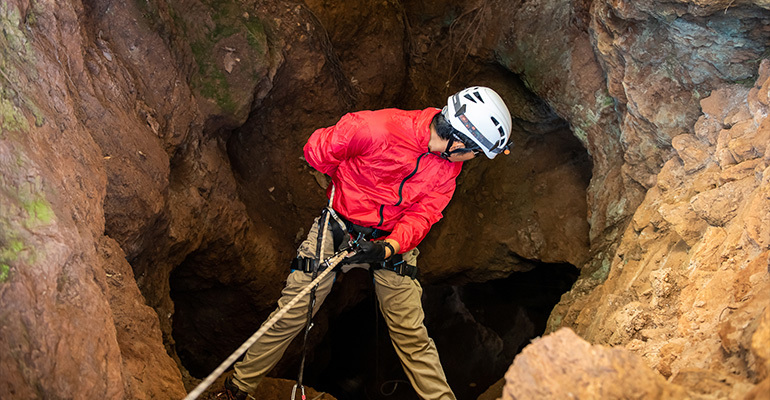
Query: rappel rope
[(323, 223), (330, 263)]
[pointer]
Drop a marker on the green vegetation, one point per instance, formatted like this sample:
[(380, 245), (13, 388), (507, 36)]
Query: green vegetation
[(211, 81), (204, 29), (14, 38), (12, 117), (16, 58), (30, 197), (39, 211), (23, 208), (9, 253), (228, 19)]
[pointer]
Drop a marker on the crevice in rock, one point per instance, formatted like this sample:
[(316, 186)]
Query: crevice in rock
[(211, 318), (477, 327)]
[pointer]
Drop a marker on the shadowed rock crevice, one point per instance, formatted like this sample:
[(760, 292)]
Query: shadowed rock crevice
[(477, 327), (211, 318)]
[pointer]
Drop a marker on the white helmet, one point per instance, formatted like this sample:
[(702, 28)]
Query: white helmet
[(481, 115)]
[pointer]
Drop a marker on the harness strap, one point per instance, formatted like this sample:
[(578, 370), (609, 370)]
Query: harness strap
[(320, 247), (305, 264), (341, 227), (397, 264), (367, 232), (308, 265)]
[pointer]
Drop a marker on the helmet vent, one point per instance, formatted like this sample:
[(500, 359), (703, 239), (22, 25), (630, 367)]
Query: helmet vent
[(502, 132), (468, 96), (478, 96), (494, 121)]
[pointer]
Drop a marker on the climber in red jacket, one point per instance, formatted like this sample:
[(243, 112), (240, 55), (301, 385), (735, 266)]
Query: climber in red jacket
[(393, 172)]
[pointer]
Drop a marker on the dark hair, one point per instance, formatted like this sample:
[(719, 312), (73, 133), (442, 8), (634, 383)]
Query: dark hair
[(445, 130)]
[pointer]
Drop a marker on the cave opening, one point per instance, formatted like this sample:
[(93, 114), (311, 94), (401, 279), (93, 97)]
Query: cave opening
[(478, 329), (212, 315)]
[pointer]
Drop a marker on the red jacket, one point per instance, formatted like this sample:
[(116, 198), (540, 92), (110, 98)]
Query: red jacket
[(384, 176)]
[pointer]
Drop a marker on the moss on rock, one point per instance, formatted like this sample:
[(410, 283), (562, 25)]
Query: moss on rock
[(227, 19)]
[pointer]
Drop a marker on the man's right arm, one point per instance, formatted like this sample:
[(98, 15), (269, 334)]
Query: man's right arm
[(328, 147)]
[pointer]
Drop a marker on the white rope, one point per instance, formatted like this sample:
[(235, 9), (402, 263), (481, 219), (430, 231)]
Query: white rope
[(326, 223), (331, 262)]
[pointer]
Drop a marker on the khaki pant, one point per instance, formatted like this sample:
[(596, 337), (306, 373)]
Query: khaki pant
[(400, 303)]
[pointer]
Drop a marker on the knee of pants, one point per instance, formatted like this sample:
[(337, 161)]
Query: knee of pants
[(401, 304)]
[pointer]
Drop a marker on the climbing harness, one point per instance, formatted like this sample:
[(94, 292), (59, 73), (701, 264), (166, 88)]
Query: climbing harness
[(399, 266), (394, 263)]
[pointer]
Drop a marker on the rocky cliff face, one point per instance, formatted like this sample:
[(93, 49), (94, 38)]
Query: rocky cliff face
[(689, 287), (152, 189)]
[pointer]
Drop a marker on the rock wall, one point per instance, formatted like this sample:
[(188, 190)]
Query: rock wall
[(113, 174), (152, 190), (628, 77), (669, 195), (690, 282)]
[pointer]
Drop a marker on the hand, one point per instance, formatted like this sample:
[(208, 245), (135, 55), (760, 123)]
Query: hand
[(370, 252)]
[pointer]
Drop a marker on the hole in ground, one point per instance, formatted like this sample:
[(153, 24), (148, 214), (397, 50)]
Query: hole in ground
[(478, 329)]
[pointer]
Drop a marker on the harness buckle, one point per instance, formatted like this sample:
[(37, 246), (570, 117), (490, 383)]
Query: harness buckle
[(401, 268), (307, 264)]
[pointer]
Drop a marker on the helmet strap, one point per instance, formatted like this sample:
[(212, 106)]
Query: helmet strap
[(447, 153)]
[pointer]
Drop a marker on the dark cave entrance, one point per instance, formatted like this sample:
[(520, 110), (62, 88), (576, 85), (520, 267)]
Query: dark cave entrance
[(478, 329)]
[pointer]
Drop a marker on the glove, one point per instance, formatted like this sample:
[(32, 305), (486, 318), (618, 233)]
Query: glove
[(369, 252)]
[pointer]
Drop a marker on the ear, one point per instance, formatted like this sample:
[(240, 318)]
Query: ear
[(457, 145)]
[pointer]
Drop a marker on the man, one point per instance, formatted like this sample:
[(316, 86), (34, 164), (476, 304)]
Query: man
[(393, 173)]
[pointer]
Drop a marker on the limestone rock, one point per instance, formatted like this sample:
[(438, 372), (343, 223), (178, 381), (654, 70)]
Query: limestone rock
[(718, 206), (688, 296), (693, 153), (563, 366)]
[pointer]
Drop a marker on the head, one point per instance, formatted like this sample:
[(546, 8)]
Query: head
[(478, 118)]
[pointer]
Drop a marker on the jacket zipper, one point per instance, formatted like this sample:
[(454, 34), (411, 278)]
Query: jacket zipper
[(401, 188)]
